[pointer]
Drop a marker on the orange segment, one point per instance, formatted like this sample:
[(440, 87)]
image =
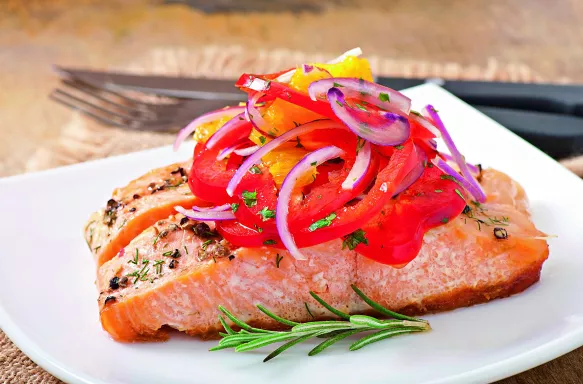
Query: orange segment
[(281, 160), (205, 131)]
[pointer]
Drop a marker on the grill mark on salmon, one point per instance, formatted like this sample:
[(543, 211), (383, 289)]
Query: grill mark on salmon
[(459, 265), (137, 206)]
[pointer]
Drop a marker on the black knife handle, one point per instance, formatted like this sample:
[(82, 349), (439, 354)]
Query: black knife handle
[(558, 135)]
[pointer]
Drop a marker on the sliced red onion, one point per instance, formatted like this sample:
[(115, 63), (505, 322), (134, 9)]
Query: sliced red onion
[(286, 77), (385, 98), (433, 143), (225, 130), (468, 186), (424, 123), (203, 119), (476, 190), (218, 208), (226, 152), (253, 115), (394, 130), (415, 173), (247, 151), (474, 169), (360, 167), (305, 165), (206, 216), (268, 147)]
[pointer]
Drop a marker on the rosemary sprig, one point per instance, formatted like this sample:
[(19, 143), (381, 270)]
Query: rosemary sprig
[(249, 338)]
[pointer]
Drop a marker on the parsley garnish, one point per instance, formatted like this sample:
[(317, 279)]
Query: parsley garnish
[(269, 242), (299, 144), (438, 191), (258, 228), (415, 113), (250, 198), (460, 194), (444, 220), (235, 207), (206, 244), (450, 177), (262, 139), (361, 107), (158, 265), (255, 170), (355, 238), (336, 85), (278, 259), (267, 213), (314, 163), (325, 222), (339, 103), (185, 250), (399, 147), (384, 97)]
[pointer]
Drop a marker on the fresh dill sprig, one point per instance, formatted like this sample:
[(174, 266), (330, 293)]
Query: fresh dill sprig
[(250, 338)]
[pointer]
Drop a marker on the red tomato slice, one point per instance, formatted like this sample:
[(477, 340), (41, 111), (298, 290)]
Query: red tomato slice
[(242, 236), (208, 177), (350, 218), (395, 235)]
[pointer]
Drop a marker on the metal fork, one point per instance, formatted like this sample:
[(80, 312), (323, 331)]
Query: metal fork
[(118, 110)]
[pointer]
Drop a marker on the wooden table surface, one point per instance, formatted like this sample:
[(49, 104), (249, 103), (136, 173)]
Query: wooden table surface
[(543, 34)]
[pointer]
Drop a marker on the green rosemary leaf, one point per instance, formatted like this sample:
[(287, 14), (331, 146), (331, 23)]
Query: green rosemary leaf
[(321, 325), (380, 335), (275, 317), (329, 307), (288, 345), (367, 321), (239, 322), (219, 347), (380, 308), (263, 341), (332, 340), (228, 329)]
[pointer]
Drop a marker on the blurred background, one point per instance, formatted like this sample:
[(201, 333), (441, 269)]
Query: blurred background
[(519, 40)]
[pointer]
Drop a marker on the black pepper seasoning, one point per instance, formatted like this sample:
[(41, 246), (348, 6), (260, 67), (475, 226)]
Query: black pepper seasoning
[(231, 257), (136, 196), (183, 221), (123, 282), (114, 283), (500, 233), (172, 264), (466, 210), (202, 230), (132, 209), (109, 299)]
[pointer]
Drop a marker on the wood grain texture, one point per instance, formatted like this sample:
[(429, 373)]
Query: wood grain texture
[(540, 36)]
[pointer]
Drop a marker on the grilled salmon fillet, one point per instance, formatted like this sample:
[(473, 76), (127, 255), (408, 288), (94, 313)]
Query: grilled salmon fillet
[(137, 206), (177, 272)]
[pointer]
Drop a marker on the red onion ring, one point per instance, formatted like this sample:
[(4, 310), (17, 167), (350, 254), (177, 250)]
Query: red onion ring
[(475, 170), (291, 134), (468, 186), (476, 190), (385, 98), (360, 167), (206, 216), (203, 119), (247, 151), (286, 77), (394, 131), (225, 130), (319, 156), (219, 208), (226, 152), (253, 115)]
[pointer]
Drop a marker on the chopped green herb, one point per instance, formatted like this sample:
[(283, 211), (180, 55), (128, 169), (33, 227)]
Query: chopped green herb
[(433, 109), (314, 177), (262, 139), (449, 177), (415, 113), (278, 259), (336, 85), (269, 242), (325, 222), (444, 220), (399, 147), (319, 197), (235, 207), (308, 309), (258, 228), (255, 170), (476, 203), (361, 107), (339, 103), (122, 224), (299, 144), (460, 194), (384, 97), (314, 163), (206, 244), (185, 250), (158, 266), (250, 198), (267, 213), (296, 124), (438, 191), (355, 238), (359, 144)]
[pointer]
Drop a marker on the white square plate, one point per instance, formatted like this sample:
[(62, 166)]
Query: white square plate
[(48, 300)]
